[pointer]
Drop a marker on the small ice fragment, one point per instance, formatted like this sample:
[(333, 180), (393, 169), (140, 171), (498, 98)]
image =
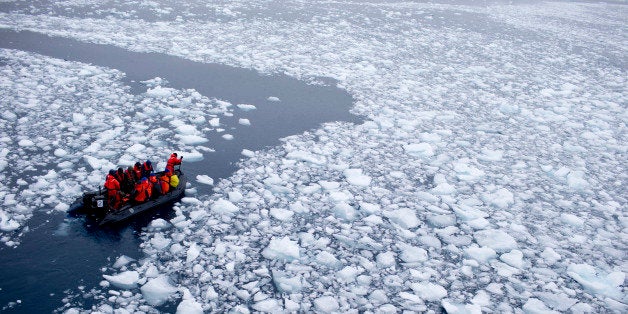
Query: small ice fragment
[(205, 179)]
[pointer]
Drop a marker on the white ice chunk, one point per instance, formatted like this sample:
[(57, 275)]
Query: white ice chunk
[(609, 285), (307, 157), (246, 107), (495, 239), (419, 150), (267, 306), (273, 98), (513, 258), (122, 261), (326, 304), (282, 249), (156, 291), (355, 177), (550, 256), (124, 280), (501, 198), (429, 291), (386, 259), (481, 254), (536, 306), (224, 207), (243, 121), (189, 306), (404, 217), (205, 179), (281, 213), (193, 252), (412, 254)]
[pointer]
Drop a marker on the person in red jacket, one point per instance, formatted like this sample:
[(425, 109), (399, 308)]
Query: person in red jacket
[(140, 194), (113, 190), (165, 182), (147, 169), (173, 161), (137, 170)]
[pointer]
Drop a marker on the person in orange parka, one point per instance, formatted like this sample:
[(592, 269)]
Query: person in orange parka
[(173, 161), (113, 189), (140, 194), (148, 187), (164, 180)]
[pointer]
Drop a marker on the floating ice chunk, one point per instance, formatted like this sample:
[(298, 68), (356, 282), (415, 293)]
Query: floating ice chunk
[(235, 196), (495, 239), (404, 217), (99, 164), (282, 249), (160, 92), (214, 122), (156, 291), (307, 157), (597, 282), (386, 259), (465, 172), (501, 198), (576, 181), (158, 224), (193, 252), (344, 211), (124, 280), (227, 137), (122, 261), (7, 223), (328, 259), (412, 254), (536, 306), (246, 107), (571, 219), (205, 179), (455, 308), (285, 283), (491, 155), (429, 291), (370, 208), (442, 221), (481, 254), (348, 274), (60, 152), (136, 149), (189, 306), (191, 139), (550, 256), (355, 177), (298, 208), (159, 242), (267, 306), (281, 214), (273, 98), (444, 189), (248, 153), (466, 213), (559, 301), (326, 304), (223, 206), (419, 150), (244, 121), (513, 258)]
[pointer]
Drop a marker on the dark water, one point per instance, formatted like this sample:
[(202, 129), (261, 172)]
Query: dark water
[(60, 253)]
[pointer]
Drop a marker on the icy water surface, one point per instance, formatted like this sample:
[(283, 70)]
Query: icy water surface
[(58, 253)]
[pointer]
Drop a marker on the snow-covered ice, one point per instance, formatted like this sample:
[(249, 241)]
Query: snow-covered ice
[(493, 155)]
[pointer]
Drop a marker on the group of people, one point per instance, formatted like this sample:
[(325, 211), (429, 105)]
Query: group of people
[(140, 183)]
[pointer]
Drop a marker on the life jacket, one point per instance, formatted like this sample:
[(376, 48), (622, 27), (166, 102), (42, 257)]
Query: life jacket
[(165, 184), (172, 162), (140, 193), (174, 181), (148, 187)]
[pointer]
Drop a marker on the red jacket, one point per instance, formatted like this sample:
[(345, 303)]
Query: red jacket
[(141, 194), (111, 184), (148, 187), (172, 162)]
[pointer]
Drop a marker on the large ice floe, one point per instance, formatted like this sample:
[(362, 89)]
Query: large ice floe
[(490, 175)]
